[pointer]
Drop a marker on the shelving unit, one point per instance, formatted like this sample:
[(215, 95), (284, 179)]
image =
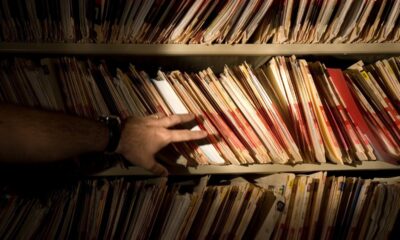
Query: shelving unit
[(313, 201), (199, 50)]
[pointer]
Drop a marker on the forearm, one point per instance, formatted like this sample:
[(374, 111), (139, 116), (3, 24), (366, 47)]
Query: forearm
[(28, 135)]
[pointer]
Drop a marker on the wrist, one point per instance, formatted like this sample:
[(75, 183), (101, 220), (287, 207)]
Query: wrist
[(119, 148)]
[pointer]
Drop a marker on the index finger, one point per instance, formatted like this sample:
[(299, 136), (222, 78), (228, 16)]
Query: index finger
[(185, 135)]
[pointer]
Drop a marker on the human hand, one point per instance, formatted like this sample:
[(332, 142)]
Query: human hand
[(142, 138)]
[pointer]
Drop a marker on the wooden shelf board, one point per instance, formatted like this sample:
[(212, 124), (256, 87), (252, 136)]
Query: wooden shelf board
[(199, 49), (255, 169)]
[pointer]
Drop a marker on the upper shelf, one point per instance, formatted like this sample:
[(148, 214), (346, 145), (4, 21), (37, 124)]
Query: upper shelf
[(199, 49), (255, 169)]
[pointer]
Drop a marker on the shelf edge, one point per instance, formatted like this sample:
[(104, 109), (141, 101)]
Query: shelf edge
[(199, 49), (254, 169)]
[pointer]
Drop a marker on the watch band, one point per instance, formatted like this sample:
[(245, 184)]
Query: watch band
[(113, 124)]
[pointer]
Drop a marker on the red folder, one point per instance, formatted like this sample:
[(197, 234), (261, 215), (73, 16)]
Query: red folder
[(339, 81)]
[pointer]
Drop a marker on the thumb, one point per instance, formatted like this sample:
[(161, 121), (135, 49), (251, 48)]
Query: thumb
[(157, 169)]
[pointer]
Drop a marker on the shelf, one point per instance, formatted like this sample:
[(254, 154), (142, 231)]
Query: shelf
[(255, 169), (199, 49), (242, 50)]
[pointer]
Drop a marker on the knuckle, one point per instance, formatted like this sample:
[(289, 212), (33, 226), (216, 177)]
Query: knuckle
[(169, 120), (164, 135), (174, 119)]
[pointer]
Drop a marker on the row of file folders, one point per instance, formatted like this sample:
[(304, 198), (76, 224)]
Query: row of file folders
[(287, 111), (279, 206), (200, 21)]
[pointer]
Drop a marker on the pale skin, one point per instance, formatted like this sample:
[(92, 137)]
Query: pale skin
[(29, 136)]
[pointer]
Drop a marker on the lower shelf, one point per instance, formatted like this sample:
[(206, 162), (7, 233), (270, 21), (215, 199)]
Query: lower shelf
[(265, 169)]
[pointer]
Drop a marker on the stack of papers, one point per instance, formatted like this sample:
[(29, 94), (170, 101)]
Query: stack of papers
[(201, 21), (287, 111), (278, 206)]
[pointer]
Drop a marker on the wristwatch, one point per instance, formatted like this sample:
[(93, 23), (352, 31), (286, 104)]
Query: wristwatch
[(113, 124)]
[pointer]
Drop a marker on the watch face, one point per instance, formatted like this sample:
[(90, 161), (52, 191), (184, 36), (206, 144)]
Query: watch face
[(106, 119), (113, 118)]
